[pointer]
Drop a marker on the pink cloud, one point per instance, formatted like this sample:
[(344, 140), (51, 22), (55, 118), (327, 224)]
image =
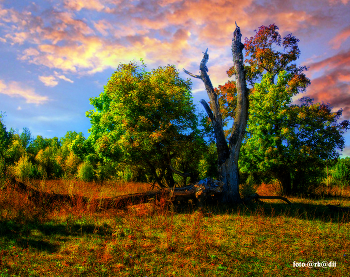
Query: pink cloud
[(333, 86), (340, 60), (103, 26), (341, 37)]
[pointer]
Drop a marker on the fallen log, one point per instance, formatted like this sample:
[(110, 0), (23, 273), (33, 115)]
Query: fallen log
[(196, 192), (203, 191)]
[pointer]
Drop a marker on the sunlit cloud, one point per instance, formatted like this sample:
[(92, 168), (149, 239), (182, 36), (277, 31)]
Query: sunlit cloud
[(83, 4), (49, 81), (103, 26), (52, 80), (61, 40), (341, 37), (333, 86), (15, 89)]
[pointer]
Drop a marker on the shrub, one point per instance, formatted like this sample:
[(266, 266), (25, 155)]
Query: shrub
[(23, 168), (341, 172), (86, 172)]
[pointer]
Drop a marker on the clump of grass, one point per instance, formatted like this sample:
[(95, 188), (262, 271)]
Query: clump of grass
[(153, 239)]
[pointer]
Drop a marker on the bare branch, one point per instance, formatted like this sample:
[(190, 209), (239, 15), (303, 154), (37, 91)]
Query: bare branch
[(194, 76), (213, 113), (207, 109)]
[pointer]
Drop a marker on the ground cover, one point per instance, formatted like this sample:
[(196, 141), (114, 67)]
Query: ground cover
[(259, 239)]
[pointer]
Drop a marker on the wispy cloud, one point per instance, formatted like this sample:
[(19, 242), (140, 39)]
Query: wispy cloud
[(49, 81), (341, 37), (333, 86), (15, 89), (52, 80)]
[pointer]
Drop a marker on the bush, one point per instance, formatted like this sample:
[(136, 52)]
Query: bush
[(86, 172), (341, 172), (23, 168)]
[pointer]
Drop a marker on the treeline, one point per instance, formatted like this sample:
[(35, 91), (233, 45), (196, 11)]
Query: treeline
[(28, 158), (25, 158)]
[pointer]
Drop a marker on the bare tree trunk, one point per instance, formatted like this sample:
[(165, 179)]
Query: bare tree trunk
[(229, 175), (228, 154)]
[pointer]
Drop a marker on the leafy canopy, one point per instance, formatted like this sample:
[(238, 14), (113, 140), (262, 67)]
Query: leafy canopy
[(289, 140), (144, 118)]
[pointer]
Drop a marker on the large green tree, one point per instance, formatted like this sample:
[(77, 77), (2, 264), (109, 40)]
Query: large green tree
[(291, 142), (145, 119)]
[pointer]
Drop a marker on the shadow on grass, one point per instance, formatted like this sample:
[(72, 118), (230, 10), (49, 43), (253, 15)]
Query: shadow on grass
[(38, 244), (39, 236), (306, 211)]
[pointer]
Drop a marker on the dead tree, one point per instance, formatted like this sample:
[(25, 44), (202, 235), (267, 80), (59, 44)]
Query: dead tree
[(228, 154)]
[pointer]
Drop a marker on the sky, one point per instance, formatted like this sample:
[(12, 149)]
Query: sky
[(56, 54)]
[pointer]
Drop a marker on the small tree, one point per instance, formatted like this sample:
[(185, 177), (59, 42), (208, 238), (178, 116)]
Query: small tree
[(86, 172), (24, 168)]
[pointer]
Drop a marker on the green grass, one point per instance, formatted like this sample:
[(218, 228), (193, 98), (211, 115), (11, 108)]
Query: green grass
[(260, 239)]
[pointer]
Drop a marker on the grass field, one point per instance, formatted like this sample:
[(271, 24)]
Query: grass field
[(261, 239)]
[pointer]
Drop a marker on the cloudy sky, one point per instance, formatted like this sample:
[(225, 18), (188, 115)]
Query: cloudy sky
[(56, 54)]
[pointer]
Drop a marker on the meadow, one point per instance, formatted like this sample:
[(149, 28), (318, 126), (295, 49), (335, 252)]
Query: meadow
[(157, 239)]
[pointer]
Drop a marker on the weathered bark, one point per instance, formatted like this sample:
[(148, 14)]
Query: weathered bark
[(228, 154)]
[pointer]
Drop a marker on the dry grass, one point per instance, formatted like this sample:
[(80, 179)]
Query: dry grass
[(262, 239)]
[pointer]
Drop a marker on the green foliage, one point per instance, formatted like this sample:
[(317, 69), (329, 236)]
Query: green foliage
[(267, 52), (144, 119), (24, 168), (105, 171), (14, 151), (289, 141), (48, 166), (341, 172), (39, 143), (25, 138), (207, 166), (71, 164), (86, 172)]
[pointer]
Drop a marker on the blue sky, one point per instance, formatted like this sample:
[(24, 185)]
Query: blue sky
[(56, 54)]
